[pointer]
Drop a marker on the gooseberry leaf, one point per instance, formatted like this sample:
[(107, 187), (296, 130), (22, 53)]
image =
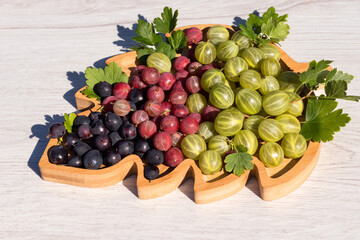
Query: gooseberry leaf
[(269, 14), (238, 162), (270, 28), (311, 75), (146, 34), (322, 120), (112, 74), (241, 148), (166, 49), (167, 22), (336, 84), (69, 121), (248, 31), (279, 32), (142, 51), (335, 75), (337, 90), (178, 40)]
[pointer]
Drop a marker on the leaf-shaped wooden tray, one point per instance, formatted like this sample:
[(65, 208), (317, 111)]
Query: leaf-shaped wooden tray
[(273, 182)]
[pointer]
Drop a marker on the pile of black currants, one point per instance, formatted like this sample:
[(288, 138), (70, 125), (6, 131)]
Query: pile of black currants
[(100, 140)]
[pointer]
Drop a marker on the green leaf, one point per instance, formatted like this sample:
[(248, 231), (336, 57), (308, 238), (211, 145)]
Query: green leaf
[(166, 49), (275, 31), (269, 14), (69, 121), (336, 89), (350, 98), (270, 28), (310, 76), (282, 18), (248, 31), (144, 52), (322, 120), (241, 148), (113, 74), (322, 76), (178, 40), (167, 22), (279, 32), (255, 20), (335, 75), (146, 34), (93, 76), (238, 162)]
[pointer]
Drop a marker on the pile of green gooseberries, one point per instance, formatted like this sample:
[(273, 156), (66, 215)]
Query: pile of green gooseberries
[(253, 102)]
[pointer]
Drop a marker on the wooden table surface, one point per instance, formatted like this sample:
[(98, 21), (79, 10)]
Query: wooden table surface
[(45, 47)]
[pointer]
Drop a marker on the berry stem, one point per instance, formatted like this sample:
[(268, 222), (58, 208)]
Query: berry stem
[(307, 95)]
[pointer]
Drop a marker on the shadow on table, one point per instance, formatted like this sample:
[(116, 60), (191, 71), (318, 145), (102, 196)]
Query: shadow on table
[(40, 131), (125, 34), (130, 183), (77, 80), (253, 186), (240, 21), (187, 188)]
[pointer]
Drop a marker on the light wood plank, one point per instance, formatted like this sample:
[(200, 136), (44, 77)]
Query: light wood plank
[(40, 41)]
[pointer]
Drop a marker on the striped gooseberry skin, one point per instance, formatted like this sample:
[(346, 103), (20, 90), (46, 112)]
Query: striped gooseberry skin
[(269, 84), (205, 52), (210, 162), (276, 102), (229, 122), (178, 97), (248, 139), (121, 107), (220, 144), (250, 79), (248, 101), (234, 67), (296, 108), (289, 81), (271, 154), (217, 41), (270, 67), (294, 145), (240, 40), (221, 96), (212, 77), (159, 61), (196, 103), (206, 130), (192, 146), (252, 124), (289, 123), (193, 84), (270, 51), (227, 50), (219, 32), (270, 130), (253, 57), (162, 141)]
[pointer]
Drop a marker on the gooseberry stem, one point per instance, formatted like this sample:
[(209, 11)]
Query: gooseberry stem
[(307, 95)]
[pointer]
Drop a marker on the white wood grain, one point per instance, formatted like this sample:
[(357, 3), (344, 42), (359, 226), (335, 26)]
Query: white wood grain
[(46, 45)]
